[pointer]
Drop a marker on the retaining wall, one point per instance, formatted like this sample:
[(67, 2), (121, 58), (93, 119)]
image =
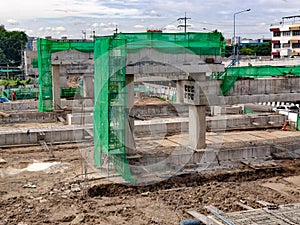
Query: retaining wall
[(32, 136)]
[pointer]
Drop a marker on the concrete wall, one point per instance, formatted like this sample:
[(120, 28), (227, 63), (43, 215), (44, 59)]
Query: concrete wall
[(23, 137), (29, 117), (200, 159), (252, 91), (33, 105), (245, 122), (171, 109), (214, 124)]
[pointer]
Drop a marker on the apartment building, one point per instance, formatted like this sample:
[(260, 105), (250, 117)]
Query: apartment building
[(286, 37)]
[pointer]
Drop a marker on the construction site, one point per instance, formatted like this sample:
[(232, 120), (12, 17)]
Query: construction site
[(151, 128)]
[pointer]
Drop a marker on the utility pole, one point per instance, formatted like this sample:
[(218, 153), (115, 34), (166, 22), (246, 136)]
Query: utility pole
[(116, 30), (84, 34), (183, 19)]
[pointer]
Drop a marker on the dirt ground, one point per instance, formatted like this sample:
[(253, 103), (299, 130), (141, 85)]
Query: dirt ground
[(59, 195)]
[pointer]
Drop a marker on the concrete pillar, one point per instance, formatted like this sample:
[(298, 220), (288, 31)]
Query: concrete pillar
[(197, 126), (179, 91), (129, 140), (88, 86), (56, 86)]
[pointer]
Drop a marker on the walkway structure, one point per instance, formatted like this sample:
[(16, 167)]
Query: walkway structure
[(119, 58), (188, 59), (48, 76)]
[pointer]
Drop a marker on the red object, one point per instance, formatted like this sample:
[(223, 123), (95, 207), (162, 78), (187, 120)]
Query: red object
[(275, 29), (154, 30), (284, 126), (275, 53), (13, 95)]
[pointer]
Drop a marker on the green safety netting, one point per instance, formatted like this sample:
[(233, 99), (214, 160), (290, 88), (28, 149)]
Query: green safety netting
[(45, 48), (35, 63), (176, 43), (231, 74), (110, 55), (110, 113)]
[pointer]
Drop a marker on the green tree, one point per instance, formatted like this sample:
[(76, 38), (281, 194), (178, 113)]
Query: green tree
[(12, 43), (258, 50), (3, 59), (264, 50), (228, 50)]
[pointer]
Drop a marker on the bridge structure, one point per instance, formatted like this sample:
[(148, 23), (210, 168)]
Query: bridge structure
[(188, 60)]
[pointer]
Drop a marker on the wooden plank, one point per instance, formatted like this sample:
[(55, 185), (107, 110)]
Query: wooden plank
[(202, 218), (244, 206), (62, 120), (219, 214), (214, 221)]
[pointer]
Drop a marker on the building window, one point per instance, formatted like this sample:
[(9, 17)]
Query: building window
[(295, 45), (276, 34), (286, 33), (296, 33), (286, 45), (276, 45)]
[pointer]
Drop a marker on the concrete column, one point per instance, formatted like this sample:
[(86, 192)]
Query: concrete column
[(197, 126), (179, 91), (88, 86), (56, 86), (129, 140)]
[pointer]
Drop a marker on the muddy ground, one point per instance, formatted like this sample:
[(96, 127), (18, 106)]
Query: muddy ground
[(58, 195)]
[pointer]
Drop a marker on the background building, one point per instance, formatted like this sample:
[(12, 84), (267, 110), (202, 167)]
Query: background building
[(286, 37)]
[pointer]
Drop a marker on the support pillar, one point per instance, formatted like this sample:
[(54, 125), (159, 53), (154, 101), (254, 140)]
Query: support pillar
[(129, 139), (197, 126), (179, 92), (56, 86), (88, 86)]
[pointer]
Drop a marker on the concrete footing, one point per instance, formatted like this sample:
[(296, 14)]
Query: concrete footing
[(55, 134)]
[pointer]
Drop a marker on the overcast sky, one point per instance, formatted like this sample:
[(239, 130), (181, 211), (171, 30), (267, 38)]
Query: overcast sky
[(72, 18)]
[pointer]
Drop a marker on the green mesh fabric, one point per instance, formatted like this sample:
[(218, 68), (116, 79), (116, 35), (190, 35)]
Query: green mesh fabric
[(110, 102), (45, 48), (233, 73), (110, 109), (176, 43)]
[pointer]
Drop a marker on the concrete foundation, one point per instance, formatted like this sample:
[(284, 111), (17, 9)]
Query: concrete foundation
[(33, 105), (29, 117), (169, 126), (32, 136)]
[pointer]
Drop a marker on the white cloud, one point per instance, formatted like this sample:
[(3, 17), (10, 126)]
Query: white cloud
[(59, 29), (139, 26), (95, 25), (108, 25), (152, 13), (70, 17), (171, 28), (12, 22)]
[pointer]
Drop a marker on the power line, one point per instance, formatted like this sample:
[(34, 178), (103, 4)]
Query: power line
[(183, 19)]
